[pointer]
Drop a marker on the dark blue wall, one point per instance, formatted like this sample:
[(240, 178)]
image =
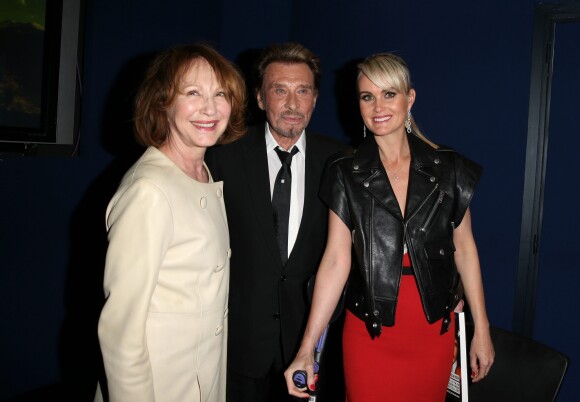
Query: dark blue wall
[(471, 68)]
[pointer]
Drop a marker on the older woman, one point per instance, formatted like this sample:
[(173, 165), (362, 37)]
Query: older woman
[(399, 206), (163, 328)]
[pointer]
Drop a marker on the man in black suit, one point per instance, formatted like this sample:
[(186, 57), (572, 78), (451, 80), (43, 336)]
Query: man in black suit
[(268, 302)]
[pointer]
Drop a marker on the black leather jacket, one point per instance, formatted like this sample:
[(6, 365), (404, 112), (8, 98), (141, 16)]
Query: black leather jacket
[(441, 185)]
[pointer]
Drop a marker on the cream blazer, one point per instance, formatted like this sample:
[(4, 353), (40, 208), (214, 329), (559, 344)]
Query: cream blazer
[(163, 330)]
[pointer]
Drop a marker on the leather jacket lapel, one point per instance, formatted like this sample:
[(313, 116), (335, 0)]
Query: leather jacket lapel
[(424, 174), (367, 167)]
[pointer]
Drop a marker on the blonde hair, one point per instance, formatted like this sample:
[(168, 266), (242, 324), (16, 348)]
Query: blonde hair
[(387, 70)]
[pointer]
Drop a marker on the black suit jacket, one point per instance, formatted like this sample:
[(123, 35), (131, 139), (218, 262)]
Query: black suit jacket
[(267, 301)]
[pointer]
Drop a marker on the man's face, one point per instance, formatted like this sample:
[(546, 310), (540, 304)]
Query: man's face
[(288, 97)]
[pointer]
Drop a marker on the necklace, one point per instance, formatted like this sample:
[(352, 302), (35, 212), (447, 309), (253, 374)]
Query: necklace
[(395, 175)]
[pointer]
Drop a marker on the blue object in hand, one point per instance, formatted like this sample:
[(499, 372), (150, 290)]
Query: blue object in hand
[(300, 378)]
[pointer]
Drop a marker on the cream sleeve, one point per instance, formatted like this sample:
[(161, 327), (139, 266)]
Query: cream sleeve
[(139, 224)]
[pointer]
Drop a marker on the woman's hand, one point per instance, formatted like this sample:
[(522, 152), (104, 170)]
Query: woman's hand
[(481, 354), (330, 281), (305, 362)]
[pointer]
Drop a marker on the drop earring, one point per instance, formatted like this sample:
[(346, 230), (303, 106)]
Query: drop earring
[(408, 122), (364, 131)]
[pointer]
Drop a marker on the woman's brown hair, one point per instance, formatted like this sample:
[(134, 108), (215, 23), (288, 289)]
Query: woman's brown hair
[(160, 87)]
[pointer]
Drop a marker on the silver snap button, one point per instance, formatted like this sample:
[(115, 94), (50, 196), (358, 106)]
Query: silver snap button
[(366, 184), (437, 161), (432, 179), (442, 252), (355, 167)]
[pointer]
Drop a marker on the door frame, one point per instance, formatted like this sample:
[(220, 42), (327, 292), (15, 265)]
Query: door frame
[(546, 16)]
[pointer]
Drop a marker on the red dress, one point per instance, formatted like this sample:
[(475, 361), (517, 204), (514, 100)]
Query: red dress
[(408, 362)]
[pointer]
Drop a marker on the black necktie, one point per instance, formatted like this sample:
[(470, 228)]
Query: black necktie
[(281, 200)]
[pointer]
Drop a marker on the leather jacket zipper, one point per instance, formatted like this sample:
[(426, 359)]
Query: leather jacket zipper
[(433, 211), (408, 218), (374, 311)]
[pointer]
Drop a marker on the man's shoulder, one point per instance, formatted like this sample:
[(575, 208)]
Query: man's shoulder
[(251, 135)]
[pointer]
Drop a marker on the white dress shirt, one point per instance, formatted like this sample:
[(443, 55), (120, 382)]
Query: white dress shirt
[(298, 176)]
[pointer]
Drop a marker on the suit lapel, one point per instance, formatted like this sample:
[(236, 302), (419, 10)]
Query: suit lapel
[(256, 162), (312, 173)]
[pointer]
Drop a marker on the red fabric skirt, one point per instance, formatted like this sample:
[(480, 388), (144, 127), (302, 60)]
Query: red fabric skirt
[(409, 362)]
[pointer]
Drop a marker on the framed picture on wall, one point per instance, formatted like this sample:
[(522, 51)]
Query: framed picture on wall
[(39, 71)]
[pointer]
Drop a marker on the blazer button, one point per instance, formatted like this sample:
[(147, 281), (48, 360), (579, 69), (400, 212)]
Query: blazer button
[(366, 184), (376, 313), (203, 202), (437, 161), (432, 179), (442, 252), (355, 167), (219, 192), (276, 316), (219, 330)]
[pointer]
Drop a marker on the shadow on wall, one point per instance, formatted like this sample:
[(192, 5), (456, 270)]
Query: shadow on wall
[(79, 354), (246, 61), (117, 122), (81, 361), (49, 393), (347, 108)]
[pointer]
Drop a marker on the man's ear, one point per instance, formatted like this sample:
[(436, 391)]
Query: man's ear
[(260, 99)]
